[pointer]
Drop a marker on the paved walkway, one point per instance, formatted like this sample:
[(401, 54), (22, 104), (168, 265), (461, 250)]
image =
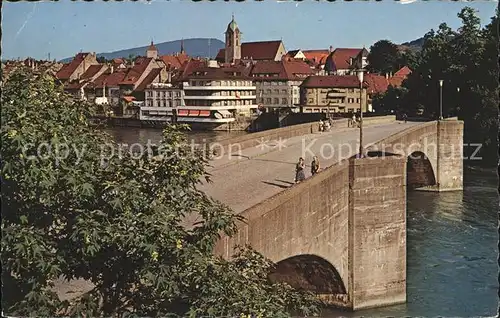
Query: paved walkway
[(257, 173)]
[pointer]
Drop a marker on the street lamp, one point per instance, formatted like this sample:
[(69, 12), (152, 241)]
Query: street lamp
[(360, 78), (440, 99)]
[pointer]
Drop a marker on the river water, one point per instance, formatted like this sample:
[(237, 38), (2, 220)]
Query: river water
[(452, 238)]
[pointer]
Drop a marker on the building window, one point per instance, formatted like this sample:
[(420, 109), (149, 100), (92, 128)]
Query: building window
[(268, 91), (311, 100), (284, 101), (194, 83), (283, 91), (357, 100), (268, 101), (276, 101)]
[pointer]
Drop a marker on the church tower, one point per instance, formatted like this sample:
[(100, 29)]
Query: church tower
[(233, 42), (152, 51), (182, 47)]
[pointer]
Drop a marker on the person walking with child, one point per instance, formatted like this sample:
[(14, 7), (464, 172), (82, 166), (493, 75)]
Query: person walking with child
[(299, 171), (315, 165)]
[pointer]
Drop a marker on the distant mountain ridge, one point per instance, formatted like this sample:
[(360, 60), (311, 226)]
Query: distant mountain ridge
[(415, 44), (197, 47)]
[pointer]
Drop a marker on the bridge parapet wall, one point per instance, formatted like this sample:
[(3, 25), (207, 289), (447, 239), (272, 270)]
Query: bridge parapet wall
[(309, 218), (255, 139)]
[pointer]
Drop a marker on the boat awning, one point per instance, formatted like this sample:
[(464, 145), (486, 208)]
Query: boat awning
[(129, 98)]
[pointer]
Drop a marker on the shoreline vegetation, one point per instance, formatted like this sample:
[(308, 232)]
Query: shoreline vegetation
[(118, 225)]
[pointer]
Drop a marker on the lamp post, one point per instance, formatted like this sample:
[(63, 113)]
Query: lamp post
[(360, 78), (440, 99)]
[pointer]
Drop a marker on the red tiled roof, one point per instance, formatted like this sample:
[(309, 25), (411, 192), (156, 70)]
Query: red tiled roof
[(233, 72), (403, 72), (282, 70), (68, 69), (316, 56), (376, 83), (265, 50), (111, 80), (292, 53), (396, 81), (91, 71), (148, 79), (135, 72), (341, 57), (175, 61), (346, 81), (188, 67)]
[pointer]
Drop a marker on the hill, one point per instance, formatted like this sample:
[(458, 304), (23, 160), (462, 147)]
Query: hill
[(194, 47), (415, 44)]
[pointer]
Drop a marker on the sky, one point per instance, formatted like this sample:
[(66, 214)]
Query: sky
[(64, 28)]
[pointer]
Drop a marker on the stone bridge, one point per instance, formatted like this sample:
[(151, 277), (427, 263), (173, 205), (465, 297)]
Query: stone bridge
[(342, 232)]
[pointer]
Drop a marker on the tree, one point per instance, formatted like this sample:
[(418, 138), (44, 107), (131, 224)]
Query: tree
[(102, 59), (76, 206), (466, 60), (383, 57)]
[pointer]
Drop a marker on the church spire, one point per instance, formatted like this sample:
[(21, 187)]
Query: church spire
[(182, 46)]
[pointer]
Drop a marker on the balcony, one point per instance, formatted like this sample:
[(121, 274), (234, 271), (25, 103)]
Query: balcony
[(217, 97), (218, 88), (252, 106)]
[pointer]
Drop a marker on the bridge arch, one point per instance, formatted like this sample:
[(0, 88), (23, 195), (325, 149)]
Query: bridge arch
[(419, 171), (309, 272)]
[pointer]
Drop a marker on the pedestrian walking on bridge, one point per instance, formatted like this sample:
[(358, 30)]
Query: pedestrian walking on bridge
[(299, 171), (315, 165)]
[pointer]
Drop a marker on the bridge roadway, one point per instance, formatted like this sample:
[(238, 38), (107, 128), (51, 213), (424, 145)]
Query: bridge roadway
[(240, 181)]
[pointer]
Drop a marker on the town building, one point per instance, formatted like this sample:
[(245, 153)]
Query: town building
[(379, 84), (75, 69), (236, 51), (277, 83), (152, 51), (342, 61), (161, 102), (333, 94), (295, 54), (217, 95)]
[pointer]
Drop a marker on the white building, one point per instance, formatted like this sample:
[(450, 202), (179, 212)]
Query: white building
[(217, 95), (161, 102)]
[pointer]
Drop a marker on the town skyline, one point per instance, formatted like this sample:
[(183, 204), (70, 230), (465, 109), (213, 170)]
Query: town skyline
[(27, 32)]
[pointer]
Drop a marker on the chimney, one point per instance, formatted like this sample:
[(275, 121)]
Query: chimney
[(331, 49), (112, 69), (386, 76)]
